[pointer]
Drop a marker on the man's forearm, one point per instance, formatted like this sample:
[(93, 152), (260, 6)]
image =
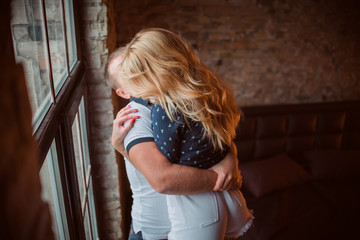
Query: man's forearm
[(183, 180), (169, 178)]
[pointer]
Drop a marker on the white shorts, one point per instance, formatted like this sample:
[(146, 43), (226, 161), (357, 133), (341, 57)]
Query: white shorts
[(208, 216)]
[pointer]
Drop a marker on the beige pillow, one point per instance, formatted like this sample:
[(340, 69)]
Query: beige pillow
[(271, 174)]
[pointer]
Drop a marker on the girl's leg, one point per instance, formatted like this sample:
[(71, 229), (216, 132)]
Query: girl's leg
[(240, 218)]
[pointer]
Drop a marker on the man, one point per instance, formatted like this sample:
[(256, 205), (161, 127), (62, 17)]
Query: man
[(149, 172)]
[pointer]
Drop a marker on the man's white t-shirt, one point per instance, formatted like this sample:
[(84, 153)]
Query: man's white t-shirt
[(149, 210)]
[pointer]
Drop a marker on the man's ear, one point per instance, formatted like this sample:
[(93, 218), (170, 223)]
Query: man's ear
[(122, 93)]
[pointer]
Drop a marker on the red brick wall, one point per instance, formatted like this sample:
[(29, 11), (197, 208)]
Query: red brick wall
[(270, 51)]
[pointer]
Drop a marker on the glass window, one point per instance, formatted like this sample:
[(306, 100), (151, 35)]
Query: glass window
[(79, 157), (56, 37), (83, 167), (29, 39), (84, 138), (45, 42), (92, 211), (70, 33), (52, 193), (44, 39), (87, 226)]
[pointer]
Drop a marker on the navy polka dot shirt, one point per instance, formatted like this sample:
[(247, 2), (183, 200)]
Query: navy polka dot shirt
[(182, 143)]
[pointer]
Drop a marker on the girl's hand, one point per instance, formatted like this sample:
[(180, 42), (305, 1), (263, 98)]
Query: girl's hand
[(121, 126), (229, 176)]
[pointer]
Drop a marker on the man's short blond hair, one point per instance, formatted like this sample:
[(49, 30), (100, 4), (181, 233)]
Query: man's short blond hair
[(108, 77)]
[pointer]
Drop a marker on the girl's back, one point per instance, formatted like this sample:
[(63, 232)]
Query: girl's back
[(183, 143)]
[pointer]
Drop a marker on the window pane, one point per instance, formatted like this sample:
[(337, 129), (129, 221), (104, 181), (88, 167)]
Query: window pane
[(87, 167), (78, 157), (84, 136), (92, 210), (53, 195), (70, 31), (28, 31), (54, 18), (87, 224)]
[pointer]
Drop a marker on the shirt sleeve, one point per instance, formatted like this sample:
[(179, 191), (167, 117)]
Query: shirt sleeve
[(141, 131), (166, 133)]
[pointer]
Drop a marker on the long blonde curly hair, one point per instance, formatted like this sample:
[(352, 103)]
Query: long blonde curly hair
[(160, 66)]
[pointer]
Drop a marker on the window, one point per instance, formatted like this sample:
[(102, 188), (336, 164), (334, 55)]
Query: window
[(83, 169), (46, 44), (31, 49), (53, 194)]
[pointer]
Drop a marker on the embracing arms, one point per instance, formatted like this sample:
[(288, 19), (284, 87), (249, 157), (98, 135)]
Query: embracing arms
[(166, 177)]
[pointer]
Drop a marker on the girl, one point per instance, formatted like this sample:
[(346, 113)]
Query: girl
[(194, 117)]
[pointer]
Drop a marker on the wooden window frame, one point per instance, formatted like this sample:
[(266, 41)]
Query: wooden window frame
[(56, 124)]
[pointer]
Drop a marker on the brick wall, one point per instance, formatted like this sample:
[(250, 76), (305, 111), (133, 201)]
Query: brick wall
[(270, 51), (98, 39)]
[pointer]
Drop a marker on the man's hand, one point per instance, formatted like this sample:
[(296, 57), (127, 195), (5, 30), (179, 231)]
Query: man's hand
[(236, 182), (120, 129), (229, 176)]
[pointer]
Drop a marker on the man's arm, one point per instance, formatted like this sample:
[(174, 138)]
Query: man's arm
[(166, 177)]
